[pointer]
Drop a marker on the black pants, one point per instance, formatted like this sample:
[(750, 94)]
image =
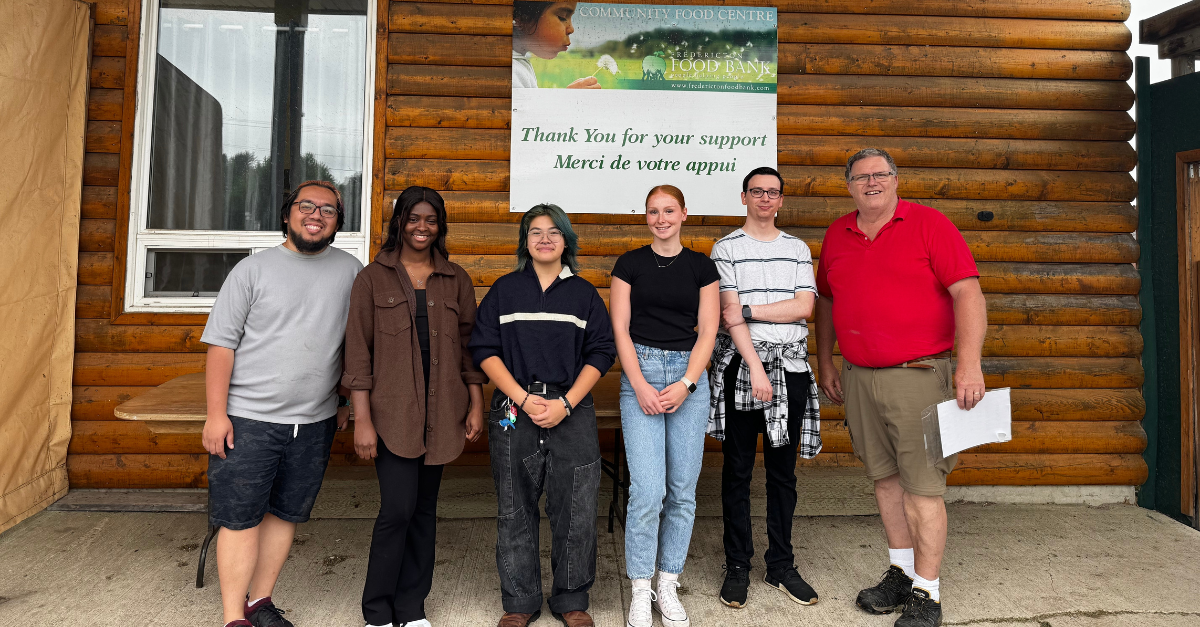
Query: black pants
[(742, 429), (400, 568), (564, 461)]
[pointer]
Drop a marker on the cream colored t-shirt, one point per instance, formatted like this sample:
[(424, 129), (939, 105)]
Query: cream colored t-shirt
[(523, 75)]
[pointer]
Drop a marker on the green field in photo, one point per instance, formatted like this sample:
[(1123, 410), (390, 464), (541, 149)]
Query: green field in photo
[(569, 66)]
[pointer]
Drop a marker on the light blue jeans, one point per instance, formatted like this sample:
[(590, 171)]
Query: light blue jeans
[(664, 452)]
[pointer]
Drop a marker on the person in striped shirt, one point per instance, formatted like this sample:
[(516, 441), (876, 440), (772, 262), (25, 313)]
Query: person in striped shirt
[(760, 382)]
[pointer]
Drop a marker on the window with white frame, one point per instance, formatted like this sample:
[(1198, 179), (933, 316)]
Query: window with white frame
[(238, 102)]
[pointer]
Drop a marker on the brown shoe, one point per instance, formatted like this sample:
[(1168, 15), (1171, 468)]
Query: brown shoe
[(512, 619), (578, 618)]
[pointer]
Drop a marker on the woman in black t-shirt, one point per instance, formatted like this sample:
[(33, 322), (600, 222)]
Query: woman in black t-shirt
[(665, 312)]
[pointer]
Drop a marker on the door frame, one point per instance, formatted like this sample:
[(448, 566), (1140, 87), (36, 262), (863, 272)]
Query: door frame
[(1187, 190)]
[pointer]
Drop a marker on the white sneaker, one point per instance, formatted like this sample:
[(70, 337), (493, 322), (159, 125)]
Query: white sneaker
[(668, 605), (639, 608), (417, 623)]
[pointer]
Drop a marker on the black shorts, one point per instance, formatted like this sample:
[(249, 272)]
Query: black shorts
[(273, 468)]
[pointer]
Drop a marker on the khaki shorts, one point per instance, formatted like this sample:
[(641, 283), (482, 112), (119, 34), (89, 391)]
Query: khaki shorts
[(883, 413)]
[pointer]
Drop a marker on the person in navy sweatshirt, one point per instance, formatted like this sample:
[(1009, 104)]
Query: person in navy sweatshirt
[(544, 338)]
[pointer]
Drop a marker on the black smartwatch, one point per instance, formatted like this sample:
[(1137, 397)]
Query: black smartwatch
[(746, 313), (343, 401)]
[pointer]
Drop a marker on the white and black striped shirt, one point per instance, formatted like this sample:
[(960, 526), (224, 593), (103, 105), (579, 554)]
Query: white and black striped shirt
[(767, 272)]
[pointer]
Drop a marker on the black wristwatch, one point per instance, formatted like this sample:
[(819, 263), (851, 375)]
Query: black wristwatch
[(343, 401), (746, 313)]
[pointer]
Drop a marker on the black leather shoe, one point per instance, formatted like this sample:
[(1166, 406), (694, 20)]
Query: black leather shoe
[(920, 611), (890, 593)]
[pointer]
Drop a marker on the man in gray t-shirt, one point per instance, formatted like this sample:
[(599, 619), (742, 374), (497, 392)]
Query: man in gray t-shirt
[(275, 337)]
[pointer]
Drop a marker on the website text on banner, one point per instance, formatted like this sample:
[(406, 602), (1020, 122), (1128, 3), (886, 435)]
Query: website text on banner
[(610, 100)]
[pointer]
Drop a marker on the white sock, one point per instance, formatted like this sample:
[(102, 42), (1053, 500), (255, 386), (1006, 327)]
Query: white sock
[(930, 586), (904, 559), (665, 576), (641, 583), (255, 601)]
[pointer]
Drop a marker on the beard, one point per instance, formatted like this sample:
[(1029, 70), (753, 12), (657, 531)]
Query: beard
[(306, 246)]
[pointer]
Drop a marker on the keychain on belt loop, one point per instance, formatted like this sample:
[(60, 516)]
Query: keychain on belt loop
[(510, 415)]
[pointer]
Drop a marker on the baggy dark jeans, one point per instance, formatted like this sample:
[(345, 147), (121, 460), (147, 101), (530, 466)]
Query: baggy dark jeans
[(565, 462), (742, 429)]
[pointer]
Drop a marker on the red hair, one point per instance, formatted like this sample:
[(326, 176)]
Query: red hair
[(669, 190)]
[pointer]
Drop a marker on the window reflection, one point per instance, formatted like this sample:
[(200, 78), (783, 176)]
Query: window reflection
[(189, 273), (252, 97)]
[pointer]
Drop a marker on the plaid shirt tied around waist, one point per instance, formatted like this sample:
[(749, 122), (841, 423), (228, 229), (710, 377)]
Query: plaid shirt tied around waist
[(775, 410)]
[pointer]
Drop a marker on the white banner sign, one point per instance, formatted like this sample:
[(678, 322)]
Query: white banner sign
[(615, 99)]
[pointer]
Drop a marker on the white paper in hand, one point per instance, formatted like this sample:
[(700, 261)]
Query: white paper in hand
[(989, 421)]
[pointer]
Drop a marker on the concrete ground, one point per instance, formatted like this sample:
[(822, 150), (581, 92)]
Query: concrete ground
[(1007, 565)]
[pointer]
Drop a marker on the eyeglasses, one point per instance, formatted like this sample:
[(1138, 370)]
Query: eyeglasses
[(758, 192), (882, 177), (306, 208), (536, 235)]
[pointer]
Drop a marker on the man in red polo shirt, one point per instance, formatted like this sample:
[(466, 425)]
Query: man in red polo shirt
[(896, 280)]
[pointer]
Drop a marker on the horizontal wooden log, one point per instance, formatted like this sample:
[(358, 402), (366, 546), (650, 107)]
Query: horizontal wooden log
[(493, 144), (927, 91), (103, 136), (133, 368), (101, 169), (112, 11), (483, 175), (1006, 215), (98, 402), (184, 471), (108, 72), (93, 301), (109, 40), (106, 104), (1063, 309), (953, 61), (1058, 278), (101, 336), (995, 277), (95, 268), (816, 89), (945, 122), (1108, 10), (607, 239), (1043, 309), (1076, 404), (99, 202), (465, 19), (97, 235), (835, 58), (1035, 469), (824, 120), (133, 437)]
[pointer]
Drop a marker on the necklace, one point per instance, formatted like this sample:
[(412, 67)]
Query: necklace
[(673, 259), (420, 283)]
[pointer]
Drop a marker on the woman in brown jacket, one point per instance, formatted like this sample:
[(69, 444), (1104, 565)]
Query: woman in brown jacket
[(417, 396)]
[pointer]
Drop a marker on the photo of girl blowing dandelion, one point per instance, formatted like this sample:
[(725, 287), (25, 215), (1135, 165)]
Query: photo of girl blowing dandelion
[(543, 30)]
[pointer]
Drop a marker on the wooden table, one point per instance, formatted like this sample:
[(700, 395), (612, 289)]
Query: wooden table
[(174, 407)]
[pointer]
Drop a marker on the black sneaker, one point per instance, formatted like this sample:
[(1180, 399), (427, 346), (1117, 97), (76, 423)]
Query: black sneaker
[(792, 585), (737, 584), (890, 593), (265, 614), (920, 611)]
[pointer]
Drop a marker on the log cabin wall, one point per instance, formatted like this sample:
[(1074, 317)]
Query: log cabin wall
[(1011, 118)]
